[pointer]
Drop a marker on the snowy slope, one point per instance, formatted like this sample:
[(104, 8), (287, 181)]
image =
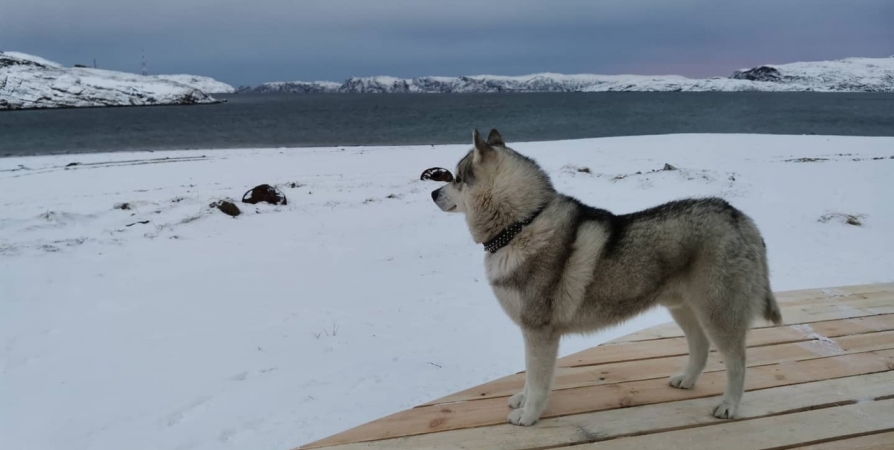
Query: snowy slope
[(852, 74), (24, 58), (359, 298), (207, 85), (30, 82)]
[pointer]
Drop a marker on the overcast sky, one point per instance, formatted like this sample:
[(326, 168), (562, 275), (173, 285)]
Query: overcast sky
[(253, 41)]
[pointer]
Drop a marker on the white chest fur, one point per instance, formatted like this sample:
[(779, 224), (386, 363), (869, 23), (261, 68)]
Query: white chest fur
[(576, 275), (499, 266)]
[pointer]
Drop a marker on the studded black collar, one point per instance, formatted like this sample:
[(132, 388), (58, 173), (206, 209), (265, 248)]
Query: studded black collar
[(505, 236)]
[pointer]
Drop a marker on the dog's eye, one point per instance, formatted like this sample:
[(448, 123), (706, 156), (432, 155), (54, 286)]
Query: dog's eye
[(458, 180)]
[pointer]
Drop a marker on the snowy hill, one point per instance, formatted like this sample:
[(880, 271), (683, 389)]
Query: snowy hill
[(852, 75), (28, 81), (207, 85), (293, 87)]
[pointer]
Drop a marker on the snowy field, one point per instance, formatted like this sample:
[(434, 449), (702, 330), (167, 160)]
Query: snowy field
[(195, 330)]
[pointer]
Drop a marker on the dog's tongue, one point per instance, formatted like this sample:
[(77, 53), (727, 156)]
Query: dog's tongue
[(437, 174)]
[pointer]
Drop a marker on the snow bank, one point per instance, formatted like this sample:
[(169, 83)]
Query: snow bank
[(30, 82), (165, 324), (852, 75)]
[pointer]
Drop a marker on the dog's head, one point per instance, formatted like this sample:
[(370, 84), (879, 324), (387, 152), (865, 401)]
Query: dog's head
[(494, 183)]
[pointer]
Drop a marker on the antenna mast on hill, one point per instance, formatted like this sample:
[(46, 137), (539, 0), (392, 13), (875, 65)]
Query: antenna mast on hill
[(145, 72)]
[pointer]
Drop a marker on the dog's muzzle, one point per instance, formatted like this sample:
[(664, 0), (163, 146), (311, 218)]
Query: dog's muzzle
[(442, 200)]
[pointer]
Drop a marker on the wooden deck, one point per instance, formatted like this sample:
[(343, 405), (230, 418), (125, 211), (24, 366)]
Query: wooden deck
[(824, 380)]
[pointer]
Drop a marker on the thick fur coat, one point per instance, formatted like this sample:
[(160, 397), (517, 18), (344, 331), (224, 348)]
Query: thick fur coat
[(579, 269)]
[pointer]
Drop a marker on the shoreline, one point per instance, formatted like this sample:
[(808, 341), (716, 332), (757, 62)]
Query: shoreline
[(66, 107), (421, 146), (385, 147)]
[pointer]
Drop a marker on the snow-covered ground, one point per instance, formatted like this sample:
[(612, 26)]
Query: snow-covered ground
[(28, 81), (847, 75), (195, 330), (207, 85)]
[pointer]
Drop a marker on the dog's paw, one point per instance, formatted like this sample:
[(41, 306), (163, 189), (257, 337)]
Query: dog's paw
[(517, 400), (725, 410), (518, 417), (681, 382)]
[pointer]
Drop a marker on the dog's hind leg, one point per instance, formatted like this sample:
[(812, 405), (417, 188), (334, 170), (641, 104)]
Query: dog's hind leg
[(728, 332), (541, 349), (734, 356), (698, 347)]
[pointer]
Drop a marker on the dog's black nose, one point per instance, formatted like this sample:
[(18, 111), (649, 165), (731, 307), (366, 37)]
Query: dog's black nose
[(434, 194)]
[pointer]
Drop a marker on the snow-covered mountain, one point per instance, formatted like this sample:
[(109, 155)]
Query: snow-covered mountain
[(293, 87), (28, 81), (851, 74), (207, 85)]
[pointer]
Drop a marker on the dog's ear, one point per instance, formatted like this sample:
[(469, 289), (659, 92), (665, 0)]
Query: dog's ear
[(494, 139), (482, 149)]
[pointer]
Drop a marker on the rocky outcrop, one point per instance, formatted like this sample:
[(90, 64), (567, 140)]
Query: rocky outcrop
[(762, 73), (291, 87)]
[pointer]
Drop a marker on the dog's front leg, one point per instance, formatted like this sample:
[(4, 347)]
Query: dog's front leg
[(541, 349)]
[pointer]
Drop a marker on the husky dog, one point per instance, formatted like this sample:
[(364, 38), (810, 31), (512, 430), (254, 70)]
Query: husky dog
[(558, 266)]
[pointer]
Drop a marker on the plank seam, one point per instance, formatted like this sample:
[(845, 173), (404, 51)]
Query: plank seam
[(835, 439), (723, 422)]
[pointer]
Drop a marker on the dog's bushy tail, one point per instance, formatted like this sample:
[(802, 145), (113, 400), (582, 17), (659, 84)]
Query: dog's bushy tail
[(771, 309)]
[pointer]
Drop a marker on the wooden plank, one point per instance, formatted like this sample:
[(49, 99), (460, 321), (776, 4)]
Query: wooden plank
[(646, 369), (599, 398), (663, 331), (787, 299), (770, 432), (877, 304), (607, 353), (831, 292), (599, 426), (803, 313), (878, 441)]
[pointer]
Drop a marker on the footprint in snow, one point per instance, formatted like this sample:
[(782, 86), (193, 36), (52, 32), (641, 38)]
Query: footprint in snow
[(242, 376), (186, 412)]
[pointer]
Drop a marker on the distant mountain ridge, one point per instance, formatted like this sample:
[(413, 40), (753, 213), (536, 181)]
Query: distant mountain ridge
[(844, 75)]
